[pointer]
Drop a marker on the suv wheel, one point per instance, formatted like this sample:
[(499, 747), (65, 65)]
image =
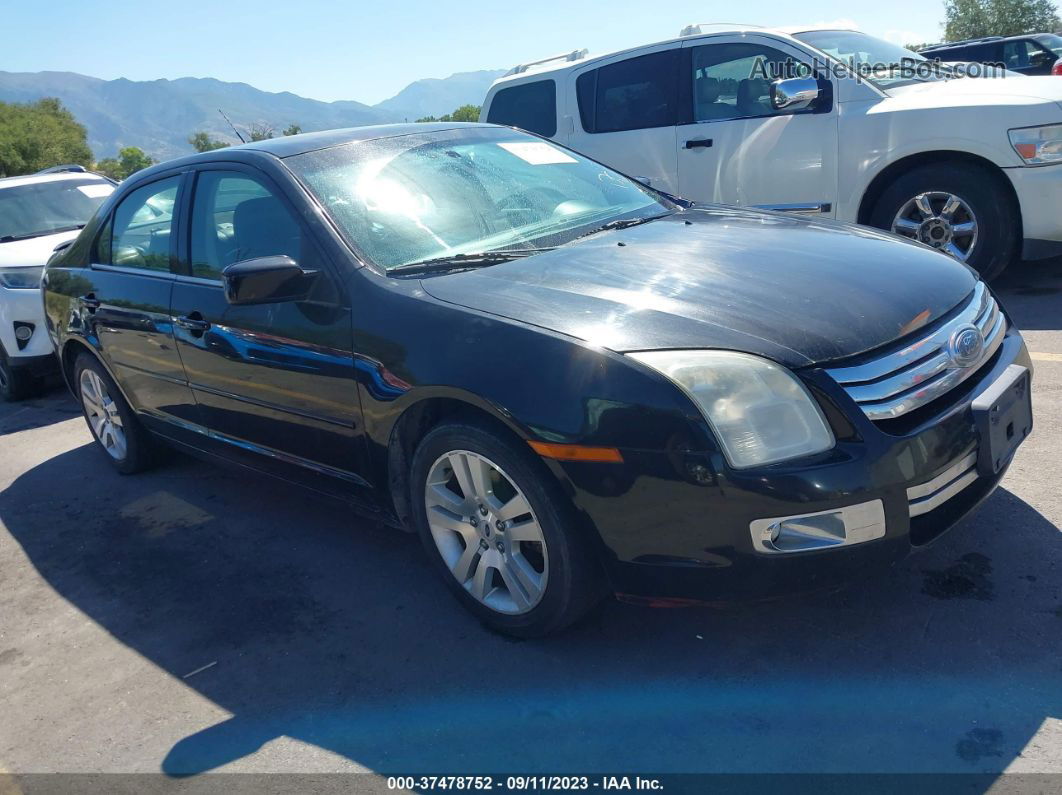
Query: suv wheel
[(15, 382), (956, 209), (495, 527), (114, 426)]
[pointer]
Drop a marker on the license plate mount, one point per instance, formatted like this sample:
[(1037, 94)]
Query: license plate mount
[(1003, 414)]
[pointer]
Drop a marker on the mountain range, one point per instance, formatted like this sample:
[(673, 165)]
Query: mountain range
[(159, 115)]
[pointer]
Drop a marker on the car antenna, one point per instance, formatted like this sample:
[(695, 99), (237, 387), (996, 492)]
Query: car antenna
[(233, 126)]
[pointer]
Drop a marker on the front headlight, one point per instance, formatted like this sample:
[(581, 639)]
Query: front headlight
[(1038, 146), (760, 412), (21, 278)]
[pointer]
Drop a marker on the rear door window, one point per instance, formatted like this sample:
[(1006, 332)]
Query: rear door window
[(636, 94), (140, 233), (529, 106)]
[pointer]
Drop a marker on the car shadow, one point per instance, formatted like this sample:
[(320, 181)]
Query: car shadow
[(55, 404), (1032, 294), (304, 622)]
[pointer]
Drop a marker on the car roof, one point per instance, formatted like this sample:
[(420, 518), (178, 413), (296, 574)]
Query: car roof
[(985, 40), (64, 176), (291, 145), (579, 58)]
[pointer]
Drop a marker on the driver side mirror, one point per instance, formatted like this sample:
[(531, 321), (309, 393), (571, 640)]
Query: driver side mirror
[(267, 280), (796, 93)]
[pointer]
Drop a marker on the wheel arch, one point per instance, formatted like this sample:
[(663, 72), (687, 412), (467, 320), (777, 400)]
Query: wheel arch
[(894, 170), (73, 347), (415, 421)]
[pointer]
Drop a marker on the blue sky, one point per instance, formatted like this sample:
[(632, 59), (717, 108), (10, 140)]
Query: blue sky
[(368, 51)]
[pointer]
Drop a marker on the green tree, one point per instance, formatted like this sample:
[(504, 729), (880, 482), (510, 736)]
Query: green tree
[(973, 19), (202, 142), (260, 132), (130, 160), (38, 135), (463, 113), (292, 129)]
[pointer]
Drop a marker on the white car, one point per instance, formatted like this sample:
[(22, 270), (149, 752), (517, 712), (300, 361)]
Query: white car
[(37, 213), (829, 123)]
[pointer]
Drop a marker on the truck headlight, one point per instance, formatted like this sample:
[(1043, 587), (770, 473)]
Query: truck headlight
[(21, 278), (1038, 146), (761, 413)]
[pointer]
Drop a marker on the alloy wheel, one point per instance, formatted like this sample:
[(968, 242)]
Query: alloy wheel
[(486, 532), (939, 219), (103, 415)]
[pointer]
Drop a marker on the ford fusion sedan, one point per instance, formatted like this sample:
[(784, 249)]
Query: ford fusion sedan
[(37, 213), (568, 384)]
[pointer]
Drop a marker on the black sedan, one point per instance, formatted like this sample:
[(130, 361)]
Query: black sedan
[(568, 384)]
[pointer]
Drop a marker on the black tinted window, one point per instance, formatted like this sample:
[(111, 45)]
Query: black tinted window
[(235, 217), (529, 106), (141, 228), (635, 94)]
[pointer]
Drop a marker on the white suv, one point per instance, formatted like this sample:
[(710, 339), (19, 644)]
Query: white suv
[(37, 213), (801, 122)]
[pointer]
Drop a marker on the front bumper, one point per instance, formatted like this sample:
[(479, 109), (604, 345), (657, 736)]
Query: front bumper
[(677, 524), (1039, 192), (23, 307)]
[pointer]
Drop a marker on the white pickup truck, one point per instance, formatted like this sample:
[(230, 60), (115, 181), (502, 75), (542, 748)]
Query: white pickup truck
[(830, 123)]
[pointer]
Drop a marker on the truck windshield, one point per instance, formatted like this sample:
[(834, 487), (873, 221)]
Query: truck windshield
[(474, 191), (45, 208), (882, 63)]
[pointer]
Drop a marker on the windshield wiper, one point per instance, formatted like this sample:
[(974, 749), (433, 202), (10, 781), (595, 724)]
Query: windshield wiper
[(42, 233), (621, 223), (479, 259)]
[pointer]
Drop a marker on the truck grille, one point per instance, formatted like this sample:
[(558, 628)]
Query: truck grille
[(908, 377)]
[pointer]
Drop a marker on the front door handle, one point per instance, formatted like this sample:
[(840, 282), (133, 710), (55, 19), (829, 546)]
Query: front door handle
[(699, 143), (193, 323), (90, 302)]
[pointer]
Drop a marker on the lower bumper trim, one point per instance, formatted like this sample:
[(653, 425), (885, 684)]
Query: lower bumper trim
[(934, 493)]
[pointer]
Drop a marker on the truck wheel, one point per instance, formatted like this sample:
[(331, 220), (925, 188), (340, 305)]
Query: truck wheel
[(15, 382), (957, 209), (497, 531)]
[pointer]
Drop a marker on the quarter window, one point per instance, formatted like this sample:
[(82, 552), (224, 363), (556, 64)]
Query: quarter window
[(235, 217), (529, 106), (636, 94), (733, 81), (139, 233)]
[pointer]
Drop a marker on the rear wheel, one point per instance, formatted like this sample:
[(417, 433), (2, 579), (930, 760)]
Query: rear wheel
[(129, 447), (957, 209), (15, 382), (497, 530)]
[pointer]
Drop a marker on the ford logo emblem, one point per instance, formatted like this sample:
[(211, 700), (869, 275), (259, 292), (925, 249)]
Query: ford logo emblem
[(965, 346)]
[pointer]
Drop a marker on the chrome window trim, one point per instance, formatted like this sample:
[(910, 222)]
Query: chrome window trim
[(895, 383)]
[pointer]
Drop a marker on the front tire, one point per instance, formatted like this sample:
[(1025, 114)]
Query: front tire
[(497, 529), (15, 382), (958, 209), (113, 423)]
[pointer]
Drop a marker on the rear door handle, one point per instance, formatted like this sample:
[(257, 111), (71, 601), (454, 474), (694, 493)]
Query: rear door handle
[(90, 302), (194, 323), (699, 143)]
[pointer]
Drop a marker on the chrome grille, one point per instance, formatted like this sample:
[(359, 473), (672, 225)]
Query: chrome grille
[(911, 376), (934, 493)]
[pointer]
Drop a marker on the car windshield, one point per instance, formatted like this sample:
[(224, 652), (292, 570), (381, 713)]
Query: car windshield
[(44, 208), (425, 197), (882, 63), (1053, 43)]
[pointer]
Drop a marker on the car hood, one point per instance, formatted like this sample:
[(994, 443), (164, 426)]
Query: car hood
[(979, 91), (797, 291), (32, 252)]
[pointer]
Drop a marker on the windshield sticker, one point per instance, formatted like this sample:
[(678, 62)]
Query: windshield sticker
[(537, 153), (95, 191)]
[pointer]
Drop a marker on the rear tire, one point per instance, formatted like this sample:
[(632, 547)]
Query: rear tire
[(15, 382), (995, 218), (128, 446), (535, 575)]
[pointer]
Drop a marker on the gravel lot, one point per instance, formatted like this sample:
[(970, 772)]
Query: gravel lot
[(196, 619)]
